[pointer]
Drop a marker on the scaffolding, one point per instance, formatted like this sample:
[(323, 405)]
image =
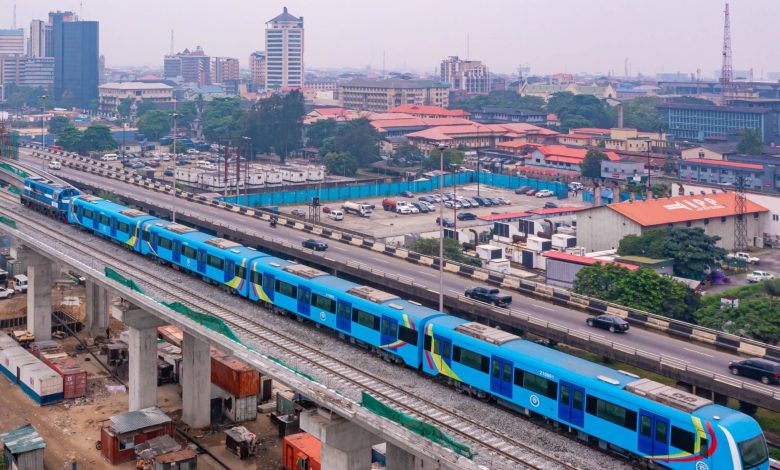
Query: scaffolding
[(9, 143)]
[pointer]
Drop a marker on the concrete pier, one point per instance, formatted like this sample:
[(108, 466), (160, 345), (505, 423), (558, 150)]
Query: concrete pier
[(39, 275), (345, 445), (196, 382), (96, 321)]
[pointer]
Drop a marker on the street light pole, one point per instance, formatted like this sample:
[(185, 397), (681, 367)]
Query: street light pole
[(174, 116), (478, 161), (441, 229), (43, 142), (248, 141)]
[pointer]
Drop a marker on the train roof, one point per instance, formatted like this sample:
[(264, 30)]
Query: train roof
[(103, 204)]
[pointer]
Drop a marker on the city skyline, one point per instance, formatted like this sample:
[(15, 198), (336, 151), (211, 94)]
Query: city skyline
[(558, 36)]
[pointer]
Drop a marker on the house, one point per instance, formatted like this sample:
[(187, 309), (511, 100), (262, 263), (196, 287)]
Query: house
[(427, 111), (561, 157), (562, 268), (22, 448), (123, 432)]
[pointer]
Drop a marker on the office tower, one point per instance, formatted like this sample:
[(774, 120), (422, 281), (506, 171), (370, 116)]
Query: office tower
[(284, 51), (257, 69), (39, 43), (76, 57), (12, 41)]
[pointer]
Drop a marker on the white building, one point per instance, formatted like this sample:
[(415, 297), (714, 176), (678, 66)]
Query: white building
[(470, 76), (12, 41), (111, 95), (284, 51)]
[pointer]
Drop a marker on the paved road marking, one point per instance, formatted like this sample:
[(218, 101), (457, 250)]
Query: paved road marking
[(698, 352), (429, 274), (544, 307)]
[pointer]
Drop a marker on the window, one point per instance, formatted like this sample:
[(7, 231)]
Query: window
[(646, 426), (565, 395), (723, 220), (164, 243), (126, 442), (255, 277), (775, 217), (688, 224), (682, 439), (706, 221), (323, 303), (369, 321), (428, 344), (445, 349), (304, 295), (471, 359), (123, 227), (536, 384), (389, 328), (661, 431), (104, 220), (145, 235), (614, 413), (407, 335), (241, 272), (188, 251), (577, 402), (288, 289), (215, 262)]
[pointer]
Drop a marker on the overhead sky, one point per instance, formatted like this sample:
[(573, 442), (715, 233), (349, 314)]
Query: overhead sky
[(414, 35)]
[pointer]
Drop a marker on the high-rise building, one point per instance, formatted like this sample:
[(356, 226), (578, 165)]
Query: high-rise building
[(284, 51), (76, 53), (469, 76), (33, 72), (381, 95), (172, 67), (189, 67), (39, 42), (12, 41), (224, 69), (257, 69)]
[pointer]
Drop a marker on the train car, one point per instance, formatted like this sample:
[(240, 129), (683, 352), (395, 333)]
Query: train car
[(109, 219), (47, 197), (619, 410)]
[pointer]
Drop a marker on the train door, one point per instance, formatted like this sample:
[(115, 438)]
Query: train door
[(444, 348), (230, 270), (501, 376), (201, 259), (388, 331), (304, 300), (268, 285), (113, 227), (653, 434), (571, 399), (153, 242), (344, 316), (176, 257), (96, 221)]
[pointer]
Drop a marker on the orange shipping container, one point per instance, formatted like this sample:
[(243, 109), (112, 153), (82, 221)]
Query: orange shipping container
[(301, 450), (74, 378), (233, 375)]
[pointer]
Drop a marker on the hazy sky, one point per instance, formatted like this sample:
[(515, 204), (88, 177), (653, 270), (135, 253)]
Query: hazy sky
[(547, 35)]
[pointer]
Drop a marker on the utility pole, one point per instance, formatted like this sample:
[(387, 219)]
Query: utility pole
[(174, 116), (740, 223)]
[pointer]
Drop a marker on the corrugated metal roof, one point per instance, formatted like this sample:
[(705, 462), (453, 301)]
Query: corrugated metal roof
[(135, 420), (24, 439)]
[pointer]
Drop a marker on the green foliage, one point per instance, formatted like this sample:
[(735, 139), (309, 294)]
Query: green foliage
[(693, 100), (772, 288), (276, 124), (750, 143), (579, 111), (341, 164), (501, 98), (755, 317), (58, 123), (143, 107), (109, 196), (319, 131), (640, 189), (640, 114), (221, 119), (670, 166), (692, 250), (124, 107), (154, 124), (27, 97), (69, 138), (187, 113), (452, 250), (591, 164), (452, 157), (643, 289), (359, 138), (97, 138)]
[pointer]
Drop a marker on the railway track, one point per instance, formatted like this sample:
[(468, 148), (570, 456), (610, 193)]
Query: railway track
[(501, 449)]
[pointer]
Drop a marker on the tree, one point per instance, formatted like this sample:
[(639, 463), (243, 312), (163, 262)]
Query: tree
[(359, 138), (600, 281), (500, 98), (319, 131), (641, 114), (154, 124), (27, 97), (670, 166), (221, 119), (452, 250), (772, 288), (276, 124), (591, 164), (341, 164), (125, 105), (755, 317), (69, 138), (579, 111), (143, 107), (67, 100), (58, 123), (750, 143), (452, 157), (97, 138)]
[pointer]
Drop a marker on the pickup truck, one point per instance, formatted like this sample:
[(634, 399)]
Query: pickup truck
[(759, 276), (742, 256), (489, 295)]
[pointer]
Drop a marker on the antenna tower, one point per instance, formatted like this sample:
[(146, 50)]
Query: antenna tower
[(13, 26), (171, 42), (740, 224), (726, 72)]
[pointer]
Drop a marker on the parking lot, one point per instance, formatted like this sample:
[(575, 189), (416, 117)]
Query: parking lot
[(770, 262), (383, 223)]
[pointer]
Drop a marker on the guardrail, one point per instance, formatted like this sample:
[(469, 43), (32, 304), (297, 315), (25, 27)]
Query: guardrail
[(672, 327)]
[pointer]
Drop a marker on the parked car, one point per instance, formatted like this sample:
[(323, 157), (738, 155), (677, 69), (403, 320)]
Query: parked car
[(545, 193), (407, 194), (316, 245), (503, 201), (429, 205), (483, 201), (168, 172), (761, 369), (576, 185), (447, 222), (326, 210), (336, 214), (421, 207), (6, 293), (550, 205), (368, 205), (299, 212), (465, 203), (494, 201), (55, 165), (453, 204), (489, 295), (759, 276), (522, 189), (467, 216), (742, 256), (531, 192), (413, 209), (612, 323), (436, 198)]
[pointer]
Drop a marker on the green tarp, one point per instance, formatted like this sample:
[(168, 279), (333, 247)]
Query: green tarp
[(426, 430), (13, 170), (209, 321), (127, 282), (9, 222)]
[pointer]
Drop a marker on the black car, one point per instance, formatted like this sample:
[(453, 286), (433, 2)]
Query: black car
[(447, 222), (550, 205), (467, 216), (522, 189), (609, 322), (483, 201), (420, 207), (407, 194), (315, 245), (760, 369), (493, 201)]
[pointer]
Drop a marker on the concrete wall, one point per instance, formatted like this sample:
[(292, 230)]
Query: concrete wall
[(602, 228)]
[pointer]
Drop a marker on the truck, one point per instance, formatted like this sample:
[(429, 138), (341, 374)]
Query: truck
[(357, 209), (489, 295), (743, 256)]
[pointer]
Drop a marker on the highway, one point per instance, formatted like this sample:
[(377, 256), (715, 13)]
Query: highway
[(696, 354)]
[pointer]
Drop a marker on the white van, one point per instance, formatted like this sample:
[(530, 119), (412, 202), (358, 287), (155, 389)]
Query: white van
[(109, 157), (55, 165), (20, 283), (336, 214)]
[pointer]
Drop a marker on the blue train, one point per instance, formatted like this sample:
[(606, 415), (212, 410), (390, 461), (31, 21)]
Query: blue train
[(49, 198), (616, 409)]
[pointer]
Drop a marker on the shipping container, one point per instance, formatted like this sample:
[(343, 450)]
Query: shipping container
[(301, 450), (11, 359), (41, 383), (48, 346), (234, 376), (240, 410), (74, 378), (6, 341), (266, 389)]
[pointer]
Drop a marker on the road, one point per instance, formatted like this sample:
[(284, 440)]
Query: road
[(647, 340)]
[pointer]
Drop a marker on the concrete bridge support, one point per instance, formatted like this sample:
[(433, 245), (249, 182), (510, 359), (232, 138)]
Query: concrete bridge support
[(399, 459), (142, 350), (196, 382), (345, 445), (39, 277), (97, 307)]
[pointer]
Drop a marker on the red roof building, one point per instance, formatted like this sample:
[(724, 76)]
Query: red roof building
[(424, 111), (561, 157)]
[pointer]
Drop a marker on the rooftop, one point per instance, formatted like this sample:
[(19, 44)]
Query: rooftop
[(395, 83), (428, 110), (285, 16), (584, 260), (135, 420), (135, 86), (23, 439), (704, 161)]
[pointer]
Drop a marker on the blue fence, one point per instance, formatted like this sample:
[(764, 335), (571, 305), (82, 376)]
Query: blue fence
[(391, 189)]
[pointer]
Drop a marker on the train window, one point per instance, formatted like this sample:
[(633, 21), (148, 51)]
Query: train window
[(113, 223), (215, 262), (471, 359), (188, 252), (661, 431), (324, 303), (240, 271), (79, 211), (565, 395), (703, 446), (304, 295), (577, 402), (389, 328), (613, 413), (646, 426), (365, 319), (255, 277), (407, 335), (428, 343), (496, 373), (287, 289), (508, 373), (164, 243), (88, 213), (104, 220), (123, 227), (445, 349), (682, 439), (145, 235), (536, 384)]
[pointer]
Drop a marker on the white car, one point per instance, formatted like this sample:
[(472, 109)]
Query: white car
[(742, 256), (55, 165), (545, 193), (413, 209), (760, 276), (6, 293)]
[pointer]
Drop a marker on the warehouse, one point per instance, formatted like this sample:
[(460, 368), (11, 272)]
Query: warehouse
[(602, 228)]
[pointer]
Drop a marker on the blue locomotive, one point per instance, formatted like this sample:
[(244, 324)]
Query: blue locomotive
[(47, 197), (618, 410)]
